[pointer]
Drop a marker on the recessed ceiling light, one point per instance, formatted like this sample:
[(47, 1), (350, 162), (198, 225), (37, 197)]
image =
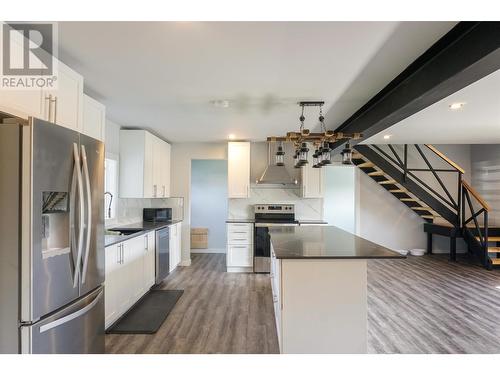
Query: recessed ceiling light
[(387, 136), (455, 106), (220, 103), (231, 136)]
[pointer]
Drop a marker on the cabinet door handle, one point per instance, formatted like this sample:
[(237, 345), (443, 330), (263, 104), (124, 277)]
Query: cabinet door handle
[(123, 254), (46, 108), (118, 254), (55, 110), (146, 245)]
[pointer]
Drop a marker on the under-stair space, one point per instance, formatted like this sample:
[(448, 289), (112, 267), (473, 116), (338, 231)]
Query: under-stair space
[(448, 206)]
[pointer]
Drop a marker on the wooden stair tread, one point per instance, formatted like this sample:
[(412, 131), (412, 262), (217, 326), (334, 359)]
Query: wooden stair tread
[(419, 208), (388, 182), (429, 216), (493, 249), (408, 199), (495, 261), (398, 191), (367, 164), (356, 155), (376, 173), (490, 238)]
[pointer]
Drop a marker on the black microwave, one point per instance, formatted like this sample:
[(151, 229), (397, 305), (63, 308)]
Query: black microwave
[(156, 214)]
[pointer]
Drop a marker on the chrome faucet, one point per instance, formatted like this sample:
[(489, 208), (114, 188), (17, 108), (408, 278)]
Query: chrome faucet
[(110, 201)]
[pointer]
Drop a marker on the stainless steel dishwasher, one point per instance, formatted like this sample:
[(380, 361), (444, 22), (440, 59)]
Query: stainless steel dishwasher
[(162, 254)]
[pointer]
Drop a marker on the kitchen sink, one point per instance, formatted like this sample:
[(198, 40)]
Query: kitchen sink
[(123, 231)]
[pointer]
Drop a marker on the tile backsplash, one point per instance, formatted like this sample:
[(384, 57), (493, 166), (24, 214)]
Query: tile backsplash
[(305, 209)]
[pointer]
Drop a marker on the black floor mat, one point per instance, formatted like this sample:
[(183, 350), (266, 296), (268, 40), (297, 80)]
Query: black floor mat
[(148, 314)]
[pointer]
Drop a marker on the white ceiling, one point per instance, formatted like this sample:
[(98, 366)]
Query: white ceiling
[(478, 121), (163, 75)]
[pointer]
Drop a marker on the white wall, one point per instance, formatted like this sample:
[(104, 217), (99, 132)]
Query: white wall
[(209, 201), (181, 156), (340, 197), (486, 178)]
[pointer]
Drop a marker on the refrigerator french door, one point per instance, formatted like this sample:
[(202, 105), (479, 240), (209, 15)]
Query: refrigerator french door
[(55, 179)]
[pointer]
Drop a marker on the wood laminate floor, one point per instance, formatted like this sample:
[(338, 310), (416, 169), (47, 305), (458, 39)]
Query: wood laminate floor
[(418, 305)]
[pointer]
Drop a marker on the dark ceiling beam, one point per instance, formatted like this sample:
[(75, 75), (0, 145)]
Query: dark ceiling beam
[(467, 53)]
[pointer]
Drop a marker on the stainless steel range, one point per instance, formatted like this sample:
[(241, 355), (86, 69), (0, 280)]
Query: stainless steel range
[(266, 216)]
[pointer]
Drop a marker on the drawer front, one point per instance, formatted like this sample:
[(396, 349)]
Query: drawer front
[(240, 256), (239, 228), (240, 238), (240, 233)]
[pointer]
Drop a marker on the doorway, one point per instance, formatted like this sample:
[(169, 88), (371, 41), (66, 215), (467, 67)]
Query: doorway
[(209, 205)]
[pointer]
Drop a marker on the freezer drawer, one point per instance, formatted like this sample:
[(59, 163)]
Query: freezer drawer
[(75, 329)]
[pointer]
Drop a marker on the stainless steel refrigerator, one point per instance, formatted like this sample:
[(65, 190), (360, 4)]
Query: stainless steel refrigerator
[(51, 239)]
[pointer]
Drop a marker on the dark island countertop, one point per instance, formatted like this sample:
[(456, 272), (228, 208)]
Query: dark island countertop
[(144, 227), (325, 242)]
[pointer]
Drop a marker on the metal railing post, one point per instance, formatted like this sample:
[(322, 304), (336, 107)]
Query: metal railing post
[(405, 166)]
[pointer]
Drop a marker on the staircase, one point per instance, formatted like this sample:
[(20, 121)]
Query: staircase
[(456, 212)]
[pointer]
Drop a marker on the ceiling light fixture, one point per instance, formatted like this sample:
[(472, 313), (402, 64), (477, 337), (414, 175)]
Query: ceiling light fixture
[(387, 136), (456, 106), (231, 136), (323, 142), (220, 103)]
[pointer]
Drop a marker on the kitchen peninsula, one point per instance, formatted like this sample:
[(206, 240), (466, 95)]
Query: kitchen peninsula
[(319, 283)]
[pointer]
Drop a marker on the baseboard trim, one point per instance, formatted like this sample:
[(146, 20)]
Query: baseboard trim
[(209, 251), (185, 263)]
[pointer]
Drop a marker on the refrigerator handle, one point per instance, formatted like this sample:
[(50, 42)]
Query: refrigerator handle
[(73, 243), (82, 208), (89, 212), (72, 316)]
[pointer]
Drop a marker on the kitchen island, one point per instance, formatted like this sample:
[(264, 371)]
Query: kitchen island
[(319, 283)]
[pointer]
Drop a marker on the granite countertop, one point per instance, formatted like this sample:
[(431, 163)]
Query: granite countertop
[(301, 222), (324, 242), (144, 226), (248, 221)]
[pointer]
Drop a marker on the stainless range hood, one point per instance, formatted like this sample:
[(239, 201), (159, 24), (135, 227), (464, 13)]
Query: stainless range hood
[(276, 176)]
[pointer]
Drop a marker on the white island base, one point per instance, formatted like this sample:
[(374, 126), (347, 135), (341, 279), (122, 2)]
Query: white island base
[(320, 305)]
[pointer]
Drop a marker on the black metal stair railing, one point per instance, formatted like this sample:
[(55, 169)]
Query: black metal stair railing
[(477, 238), (447, 205)]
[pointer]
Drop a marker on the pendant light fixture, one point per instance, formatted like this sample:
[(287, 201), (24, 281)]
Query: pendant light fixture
[(316, 159), (280, 155), (347, 154), (325, 154), (296, 159), (324, 142)]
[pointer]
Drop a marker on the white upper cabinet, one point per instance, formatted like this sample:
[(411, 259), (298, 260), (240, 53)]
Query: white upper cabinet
[(238, 169), (144, 165), (21, 103), (94, 118), (161, 168), (312, 180), (64, 105)]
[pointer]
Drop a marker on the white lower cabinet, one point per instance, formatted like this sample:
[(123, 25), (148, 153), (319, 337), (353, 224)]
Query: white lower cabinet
[(149, 261), (276, 290), (130, 272), (175, 246), (239, 256)]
